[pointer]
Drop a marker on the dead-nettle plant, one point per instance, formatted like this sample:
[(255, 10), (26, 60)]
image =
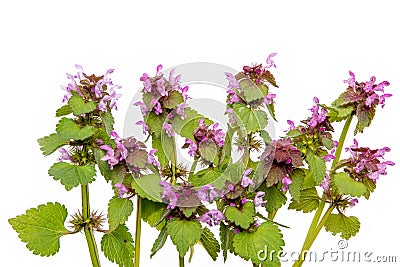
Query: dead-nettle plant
[(241, 197)]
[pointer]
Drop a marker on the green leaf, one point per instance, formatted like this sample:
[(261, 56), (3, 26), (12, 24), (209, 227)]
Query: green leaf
[(271, 110), (309, 201), (207, 176), (72, 175), (63, 111), (119, 209), (148, 186), (159, 242), (210, 243), (151, 213), (118, 246), (317, 166), (327, 142), (275, 199), (297, 184), (339, 223), (41, 228), (226, 236), (108, 121), (370, 186), (294, 133), (164, 145), (243, 217), (156, 122), (174, 99), (103, 165), (364, 117), (250, 90), (51, 143), (249, 119), (347, 186), (208, 150), (68, 129), (187, 126), (267, 235), (265, 136), (184, 234), (234, 172), (80, 106)]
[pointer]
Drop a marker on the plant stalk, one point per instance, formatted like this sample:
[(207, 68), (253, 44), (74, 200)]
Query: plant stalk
[(138, 229), (341, 141), (181, 261), (93, 251)]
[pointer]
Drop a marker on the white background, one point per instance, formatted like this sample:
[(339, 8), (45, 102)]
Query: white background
[(317, 43)]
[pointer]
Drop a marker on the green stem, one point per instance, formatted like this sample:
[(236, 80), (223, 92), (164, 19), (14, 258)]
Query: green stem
[(271, 215), (314, 222), (173, 161), (181, 261), (138, 229), (93, 251), (308, 243), (341, 140), (193, 167)]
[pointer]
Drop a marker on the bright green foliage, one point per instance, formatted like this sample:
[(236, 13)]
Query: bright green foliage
[(174, 99), (208, 150), (63, 111), (370, 186), (164, 145), (207, 176), (104, 167), (210, 243), (187, 126), (119, 209), (79, 106), (250, 119), (226, 236), (265, 136), (155, 122), (51, 143), (184, 234), (250, 90), (317, 166), (347, 186), (41, 228), (72, 175), (340, 223), (68, 129), (118, 246), (267, 235), (297, 184), (243, 217), (364, 118), (151, 212), (275, 198), (159, 242), (148, 186), (309, 201), (108, 121)]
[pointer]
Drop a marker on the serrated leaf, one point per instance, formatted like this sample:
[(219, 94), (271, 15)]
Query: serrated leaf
[(119, 209), (159, 242), (80, 106), (118, 246), (317, 166), (208, 150), (103, 165), (51, 143), (309, 201), (370, 186), (275, 199), (151, 213), (297, 184), (251, 92), (207, 176), (187, 126), (248, 245), (210, 243), (164, 145), (339, 223), (148, 186), (364, 117), (249, 119), (184, 234), (41, 228), (72, 175), (243, 217), (68, 129), (63, 111), (347, 186), (108, 121), (137, 159), (155, 122), (226, 236), (174, 99)]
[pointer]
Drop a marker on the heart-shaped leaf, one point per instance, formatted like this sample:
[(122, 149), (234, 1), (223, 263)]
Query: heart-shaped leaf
[(243, 217), (80, 106)]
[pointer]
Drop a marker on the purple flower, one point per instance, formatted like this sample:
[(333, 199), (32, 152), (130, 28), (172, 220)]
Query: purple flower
[(246, 181), (110, 156), (236, 231), (158, 70), (258, 199), (184, 91), (286, 181), (353, 202), (270, 62), (212, 217), (180, 110), (192, 147), (233, 97), (243, 201), (269, 99), (352, 80), (143, 107), (318, 117), (152, 160), (169, 195), (122, 189), (233, 83), (146, 128), (168, 129), (65, 155), (208, 193), (156, 106), (326, 185), (229, 111), (291, 125)]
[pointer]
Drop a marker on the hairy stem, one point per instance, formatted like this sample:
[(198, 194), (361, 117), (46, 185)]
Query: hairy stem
[(93, 251), (181, 261), (341, 141), (138, 229)]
